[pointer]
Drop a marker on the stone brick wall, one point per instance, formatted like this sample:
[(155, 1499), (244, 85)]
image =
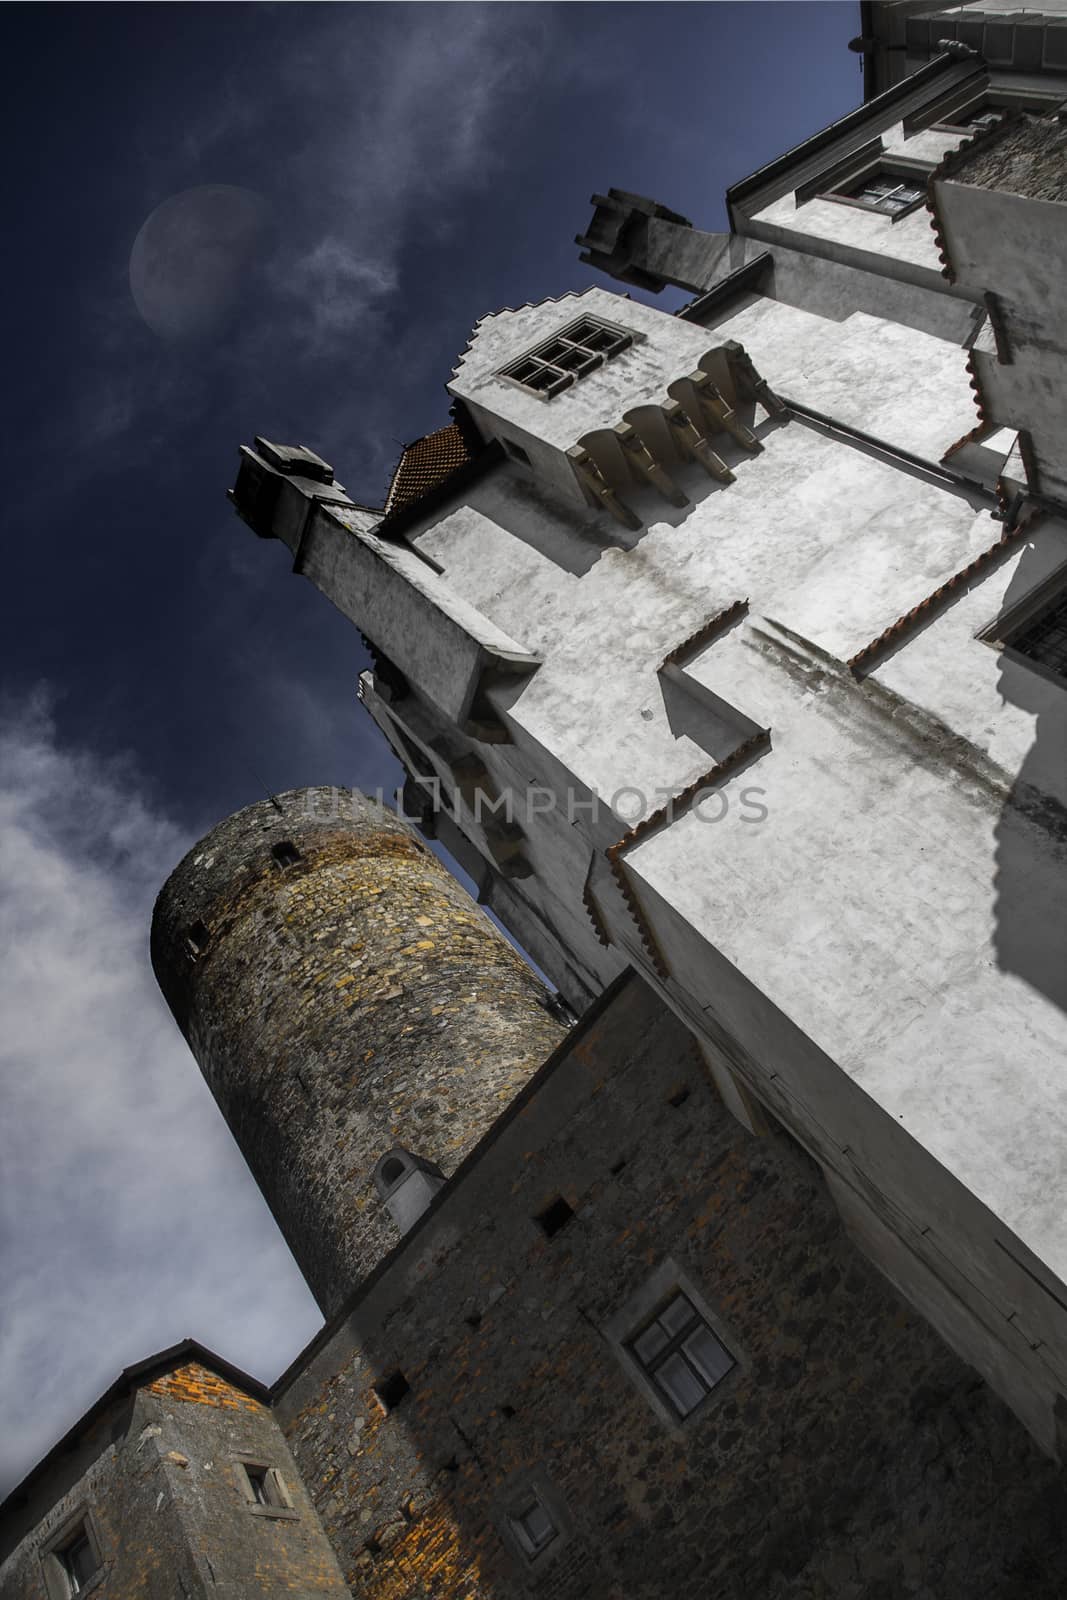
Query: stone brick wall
[(849, 1454), (161, 1485), (350, 1001), (1029, 158)]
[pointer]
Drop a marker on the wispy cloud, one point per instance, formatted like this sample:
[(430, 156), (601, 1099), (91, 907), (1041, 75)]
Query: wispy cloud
[(377, 126), (119, 1183)]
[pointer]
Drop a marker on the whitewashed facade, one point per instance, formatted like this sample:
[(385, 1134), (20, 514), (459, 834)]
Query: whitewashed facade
[(717, 659)]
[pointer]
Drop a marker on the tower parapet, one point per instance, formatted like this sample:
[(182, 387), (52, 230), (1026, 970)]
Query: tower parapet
[(342, 995)]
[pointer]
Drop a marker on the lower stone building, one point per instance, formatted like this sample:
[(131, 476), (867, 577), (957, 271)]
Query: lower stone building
[(626, 1352), (176, 1483)]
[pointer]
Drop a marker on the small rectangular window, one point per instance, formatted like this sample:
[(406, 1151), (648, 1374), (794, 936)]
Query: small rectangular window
[(284, 855), (555, 1216), (259, 1485), (71, 1560), (680, 1355), (79, 1562), (569, 355), (197, 939), (1044, 637), (533, 1527), (391, 1391), (887, 187), (885, 191), (264, 1488)]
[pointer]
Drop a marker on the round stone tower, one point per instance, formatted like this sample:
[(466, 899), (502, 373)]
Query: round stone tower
[(343, 996)]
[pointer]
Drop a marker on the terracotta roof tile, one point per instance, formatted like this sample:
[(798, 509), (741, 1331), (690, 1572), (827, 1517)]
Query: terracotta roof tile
[(425, 465)]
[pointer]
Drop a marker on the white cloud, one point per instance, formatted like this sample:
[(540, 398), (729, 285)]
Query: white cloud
[(123, 1202), (336, 286)]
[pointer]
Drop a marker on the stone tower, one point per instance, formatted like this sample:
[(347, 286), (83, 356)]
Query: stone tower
[(343, 996)]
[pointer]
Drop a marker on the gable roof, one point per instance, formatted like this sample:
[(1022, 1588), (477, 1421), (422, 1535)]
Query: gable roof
[(128, 1380), (426, 465)]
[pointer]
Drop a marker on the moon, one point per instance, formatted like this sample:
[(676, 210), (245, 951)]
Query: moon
[(193, 256)]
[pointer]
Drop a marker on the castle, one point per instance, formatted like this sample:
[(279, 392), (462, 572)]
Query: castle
[(726, 651)]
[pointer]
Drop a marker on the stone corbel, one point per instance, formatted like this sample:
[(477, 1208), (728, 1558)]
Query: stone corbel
[(717, 409), (691, 443), (597, 490), (644, 466), (748, 382)]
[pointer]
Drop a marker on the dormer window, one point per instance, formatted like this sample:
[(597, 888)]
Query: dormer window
[(886, 188), (573, 353)]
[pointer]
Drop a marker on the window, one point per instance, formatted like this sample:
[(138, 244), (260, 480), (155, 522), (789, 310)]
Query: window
[(258, 1482), (679, 1354), (1033, 629), (976, 120), (885, 190), (391, 1391), (264, 1488), (78, 1561), (71, 1560), (284, 854), (532, 1517), (1043, 638), (577, 350), (555, 1216), (533, 1527), (197, 939)]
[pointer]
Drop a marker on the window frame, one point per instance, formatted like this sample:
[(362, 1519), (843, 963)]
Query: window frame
[(676, 1341), (252, 1469), (1015, 618), (638, 1312), (58, 1578), (566, 378), (532, 1547), (891, 165), (524, 1492), (1012, 99)]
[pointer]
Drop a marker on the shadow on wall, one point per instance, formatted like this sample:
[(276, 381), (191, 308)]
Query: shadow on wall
[(1031, 874), (486, 1423)]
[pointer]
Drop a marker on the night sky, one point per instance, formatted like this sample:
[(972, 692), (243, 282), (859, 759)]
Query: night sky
[(221, 221)]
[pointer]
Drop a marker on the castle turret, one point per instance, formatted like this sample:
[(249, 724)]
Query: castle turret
[(342, 995)]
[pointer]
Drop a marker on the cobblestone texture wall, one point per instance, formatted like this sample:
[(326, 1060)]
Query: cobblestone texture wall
[(350, 1000), (849, 1455), (1029, 158), (168, 1511)]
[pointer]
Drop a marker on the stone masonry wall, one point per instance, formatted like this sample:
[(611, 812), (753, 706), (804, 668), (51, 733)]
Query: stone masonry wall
[(167, 1509), (351, 1000), (849, 1454), (1029, 158)]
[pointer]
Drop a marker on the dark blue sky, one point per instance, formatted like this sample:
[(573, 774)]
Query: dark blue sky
[(421, 166), (392, 173)]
